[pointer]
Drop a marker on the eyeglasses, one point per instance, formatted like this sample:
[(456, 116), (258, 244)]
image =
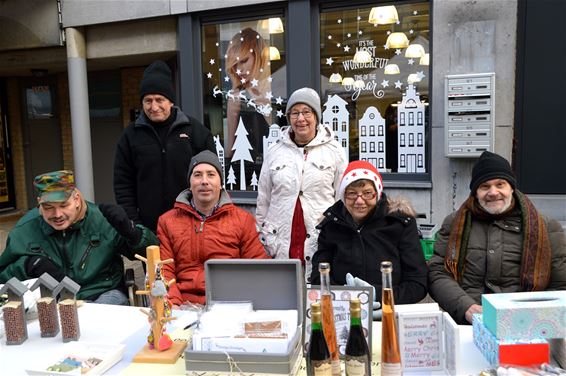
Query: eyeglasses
[(367, 195), (307, 114)]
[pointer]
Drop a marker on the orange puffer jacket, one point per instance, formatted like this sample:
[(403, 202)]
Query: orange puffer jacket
[(230, 232)]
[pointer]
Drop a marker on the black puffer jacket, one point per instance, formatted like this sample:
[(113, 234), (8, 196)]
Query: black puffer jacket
[(148, 176), (385, 236)]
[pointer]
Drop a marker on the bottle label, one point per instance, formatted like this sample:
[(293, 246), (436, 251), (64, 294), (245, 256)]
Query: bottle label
[(355, 368), (336, 367), (391, 369), (322, 370)]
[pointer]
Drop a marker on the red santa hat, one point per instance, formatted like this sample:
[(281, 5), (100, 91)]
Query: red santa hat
[(358, 170)]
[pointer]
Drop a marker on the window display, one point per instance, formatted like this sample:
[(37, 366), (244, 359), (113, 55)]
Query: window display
[(244, 88), (375, 86)]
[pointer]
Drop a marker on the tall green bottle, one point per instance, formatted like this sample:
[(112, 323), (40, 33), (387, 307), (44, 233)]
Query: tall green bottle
[(357, 351), (318, 356)]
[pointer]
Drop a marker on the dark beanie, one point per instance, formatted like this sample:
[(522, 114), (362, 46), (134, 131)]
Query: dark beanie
[(207, 157), (491, 166), (157, 80)]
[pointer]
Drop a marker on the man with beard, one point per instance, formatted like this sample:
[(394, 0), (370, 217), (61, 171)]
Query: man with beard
[(69, 236), (495, 242)]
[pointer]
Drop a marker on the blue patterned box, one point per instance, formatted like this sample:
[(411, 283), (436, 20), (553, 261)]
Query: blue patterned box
[(517, 315), (508, 351)]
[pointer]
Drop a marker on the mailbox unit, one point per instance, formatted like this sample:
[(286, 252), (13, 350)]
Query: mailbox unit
[(469, 114)]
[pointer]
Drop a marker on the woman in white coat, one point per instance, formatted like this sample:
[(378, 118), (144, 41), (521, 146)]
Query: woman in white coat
[(299, 180)]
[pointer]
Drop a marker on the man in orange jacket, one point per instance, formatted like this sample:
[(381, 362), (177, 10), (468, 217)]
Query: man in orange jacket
[(204, 224)]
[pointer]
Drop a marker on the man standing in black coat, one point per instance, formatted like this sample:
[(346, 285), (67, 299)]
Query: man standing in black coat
[(153, 154), (363, 229)]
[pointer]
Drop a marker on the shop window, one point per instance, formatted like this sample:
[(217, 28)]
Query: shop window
[(244, 86), (359, 52)]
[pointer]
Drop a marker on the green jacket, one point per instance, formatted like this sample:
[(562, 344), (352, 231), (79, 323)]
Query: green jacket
[(89, 251)]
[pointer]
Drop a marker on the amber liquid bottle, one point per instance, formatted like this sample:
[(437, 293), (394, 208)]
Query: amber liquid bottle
[(357, 352), (390, 355), (328, 317), (318, 356)]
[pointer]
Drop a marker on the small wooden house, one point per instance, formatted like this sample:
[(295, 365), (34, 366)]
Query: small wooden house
[(67, 290), (14, 312), (47, 305)]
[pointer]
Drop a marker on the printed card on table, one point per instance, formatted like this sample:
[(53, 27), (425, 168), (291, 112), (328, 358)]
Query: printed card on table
[(420, 341)]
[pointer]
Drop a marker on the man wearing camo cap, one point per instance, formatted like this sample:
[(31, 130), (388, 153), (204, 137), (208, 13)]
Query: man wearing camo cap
[(69, 236)]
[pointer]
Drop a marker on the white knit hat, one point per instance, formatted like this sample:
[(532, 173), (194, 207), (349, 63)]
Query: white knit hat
[(358, 170), (307, 96)]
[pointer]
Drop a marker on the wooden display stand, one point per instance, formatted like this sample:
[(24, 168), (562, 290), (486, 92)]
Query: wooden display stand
[(158, 315)]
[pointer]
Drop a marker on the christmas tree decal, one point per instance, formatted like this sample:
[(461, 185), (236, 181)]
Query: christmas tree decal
[(231, 178), (241, 150), (254, 181)]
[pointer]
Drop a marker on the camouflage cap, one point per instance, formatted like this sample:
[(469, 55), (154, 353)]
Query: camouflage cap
[(54, 186)]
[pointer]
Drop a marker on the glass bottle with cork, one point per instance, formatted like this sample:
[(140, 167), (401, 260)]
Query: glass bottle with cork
[(328, 326), (358, 361), (318, 356), (390, 355)]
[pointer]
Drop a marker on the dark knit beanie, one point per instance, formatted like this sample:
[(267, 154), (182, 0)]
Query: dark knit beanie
[(491, 166), (157, 80), (208, 157)]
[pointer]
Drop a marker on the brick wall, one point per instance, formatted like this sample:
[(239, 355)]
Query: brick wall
[(64, 109), (16, 138)]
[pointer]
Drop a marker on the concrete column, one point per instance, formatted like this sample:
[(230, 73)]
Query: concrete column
[(80, 120)]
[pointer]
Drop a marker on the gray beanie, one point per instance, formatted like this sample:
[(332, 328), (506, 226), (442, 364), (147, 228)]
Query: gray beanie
[(307, 96), (208, 157)]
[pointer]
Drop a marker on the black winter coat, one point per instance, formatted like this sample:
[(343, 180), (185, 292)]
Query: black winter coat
[(148, 175), (359, 250)]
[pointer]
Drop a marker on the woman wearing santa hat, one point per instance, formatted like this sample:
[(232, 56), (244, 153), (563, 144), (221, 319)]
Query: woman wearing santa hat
[(363, 229)]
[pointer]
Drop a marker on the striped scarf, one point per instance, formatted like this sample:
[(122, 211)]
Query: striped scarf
[(536, 259)]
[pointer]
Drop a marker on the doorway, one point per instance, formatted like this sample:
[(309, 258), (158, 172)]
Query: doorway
[(41, 130), (7, 194)]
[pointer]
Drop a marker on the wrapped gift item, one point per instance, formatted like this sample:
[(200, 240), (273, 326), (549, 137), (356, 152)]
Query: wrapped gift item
[(509, 351), (518, 315)]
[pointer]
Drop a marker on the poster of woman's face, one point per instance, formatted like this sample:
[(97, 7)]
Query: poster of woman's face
[(245, 90)]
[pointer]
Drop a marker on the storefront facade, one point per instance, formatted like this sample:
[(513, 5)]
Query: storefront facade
[(236, 63)]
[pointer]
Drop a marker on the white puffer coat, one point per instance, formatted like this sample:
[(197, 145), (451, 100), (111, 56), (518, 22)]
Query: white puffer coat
[(312, 173)]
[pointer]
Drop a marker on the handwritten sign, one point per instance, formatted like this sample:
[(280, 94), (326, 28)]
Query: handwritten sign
[(420, 340)]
